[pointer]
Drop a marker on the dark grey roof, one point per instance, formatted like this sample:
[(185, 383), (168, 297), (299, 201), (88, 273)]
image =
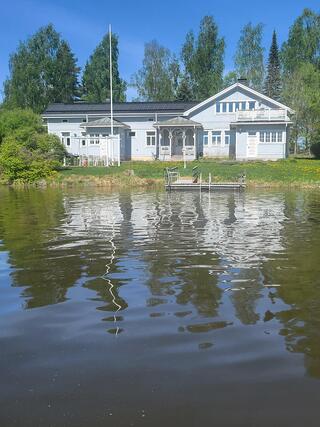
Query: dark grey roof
[(120, 107), (104, 122), (178, 121)]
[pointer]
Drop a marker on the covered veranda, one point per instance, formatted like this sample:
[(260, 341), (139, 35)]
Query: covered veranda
[(177, 139)]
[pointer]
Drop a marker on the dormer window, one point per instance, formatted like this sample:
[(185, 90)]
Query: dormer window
[(232, 107)]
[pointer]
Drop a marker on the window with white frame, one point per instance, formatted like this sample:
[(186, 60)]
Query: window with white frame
[(65, 138), (226, 138), (205, 138), (233, 106), (262, 136), (94, 138), (151, 138), (267, 136), (216, 138)]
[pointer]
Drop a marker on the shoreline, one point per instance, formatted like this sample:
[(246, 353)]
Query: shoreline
[(121, 182)]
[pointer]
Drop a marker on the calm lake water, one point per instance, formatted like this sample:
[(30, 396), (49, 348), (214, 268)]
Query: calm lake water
[(153, 309)]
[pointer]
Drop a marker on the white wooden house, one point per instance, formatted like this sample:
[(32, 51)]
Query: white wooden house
[(238, 123)]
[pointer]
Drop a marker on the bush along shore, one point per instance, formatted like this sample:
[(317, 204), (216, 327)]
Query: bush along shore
[(295, 173)]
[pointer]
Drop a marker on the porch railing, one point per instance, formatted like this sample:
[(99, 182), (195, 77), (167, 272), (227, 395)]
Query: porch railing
[(264, 115)]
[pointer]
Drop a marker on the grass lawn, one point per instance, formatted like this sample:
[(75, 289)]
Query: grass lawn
[(289, 171)]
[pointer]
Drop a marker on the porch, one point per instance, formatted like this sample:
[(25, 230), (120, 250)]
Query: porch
[(177, 139)]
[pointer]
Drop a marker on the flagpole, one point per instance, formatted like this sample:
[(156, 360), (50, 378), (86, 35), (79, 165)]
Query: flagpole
[(110, 75)]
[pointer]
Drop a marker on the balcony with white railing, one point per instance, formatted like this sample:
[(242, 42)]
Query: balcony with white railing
[(262, 115)]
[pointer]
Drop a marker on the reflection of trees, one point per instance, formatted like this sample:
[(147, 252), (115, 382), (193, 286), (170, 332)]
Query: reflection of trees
[(54, 241), (28, 221), (298, 274)]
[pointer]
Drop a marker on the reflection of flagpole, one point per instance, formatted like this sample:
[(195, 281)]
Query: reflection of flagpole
[(111, 102), (110, 76)]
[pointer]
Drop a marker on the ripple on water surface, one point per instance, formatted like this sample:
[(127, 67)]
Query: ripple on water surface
[(159, 307)]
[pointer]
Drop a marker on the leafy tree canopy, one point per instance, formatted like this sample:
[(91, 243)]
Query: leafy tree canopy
[(42, 70), (249, 55), (157, 80), (203, 59), (303, 44), (302, 93), (230, 78)]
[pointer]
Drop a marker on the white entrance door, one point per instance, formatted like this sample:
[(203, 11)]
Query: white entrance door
[(252, 145)]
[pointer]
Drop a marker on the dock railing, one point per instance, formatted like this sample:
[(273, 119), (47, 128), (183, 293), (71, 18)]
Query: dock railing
[(171, 175)]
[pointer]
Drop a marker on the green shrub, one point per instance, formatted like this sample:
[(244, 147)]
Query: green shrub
[(20, 123), (19, 163), (27, 152)]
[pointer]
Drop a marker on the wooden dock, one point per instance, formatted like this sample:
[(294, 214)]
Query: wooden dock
[(174, 182), (184, 186)]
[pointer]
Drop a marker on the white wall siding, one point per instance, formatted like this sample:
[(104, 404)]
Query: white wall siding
[(133, 140), (264, 150)]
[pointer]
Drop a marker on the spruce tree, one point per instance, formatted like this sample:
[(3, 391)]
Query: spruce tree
[(96, 75), (184, 91), (272, 87)]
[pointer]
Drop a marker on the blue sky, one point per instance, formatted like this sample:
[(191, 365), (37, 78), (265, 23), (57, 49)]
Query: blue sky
[(82, 23)]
